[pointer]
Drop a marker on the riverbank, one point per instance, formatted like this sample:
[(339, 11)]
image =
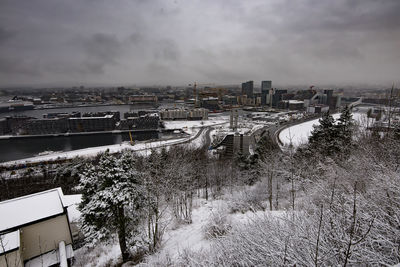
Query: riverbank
[(93, 151), (143, 147), (6, 137)]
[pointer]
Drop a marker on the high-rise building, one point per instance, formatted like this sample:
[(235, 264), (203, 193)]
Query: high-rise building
[(277, 97), (265, 89), (247, 89), (330, 101), (266, 85)]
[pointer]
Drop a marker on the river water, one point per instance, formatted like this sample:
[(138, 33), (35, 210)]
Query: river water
[(20, 148)]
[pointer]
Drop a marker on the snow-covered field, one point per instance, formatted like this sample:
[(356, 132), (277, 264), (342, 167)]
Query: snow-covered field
[(299, 133)]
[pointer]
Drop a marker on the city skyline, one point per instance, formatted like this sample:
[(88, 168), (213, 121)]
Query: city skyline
[(179, 42)]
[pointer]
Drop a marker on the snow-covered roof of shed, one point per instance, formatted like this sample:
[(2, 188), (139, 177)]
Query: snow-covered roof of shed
[(9, 241), (23, 210)]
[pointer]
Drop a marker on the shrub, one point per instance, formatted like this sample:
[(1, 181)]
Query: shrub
[(218, 225), (252, 199)]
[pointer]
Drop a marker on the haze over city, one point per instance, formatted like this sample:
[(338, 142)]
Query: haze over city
[(178, 42)]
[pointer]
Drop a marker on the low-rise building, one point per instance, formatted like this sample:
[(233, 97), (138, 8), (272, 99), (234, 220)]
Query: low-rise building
[(233, 144), (143, 99), (44, 126), (91, 124), (184, 114), (296, 105), (230, 100), (198, 114), (146, 122), (4, 127), (318, 109), (35, 231), (210, 103), (173, 114)]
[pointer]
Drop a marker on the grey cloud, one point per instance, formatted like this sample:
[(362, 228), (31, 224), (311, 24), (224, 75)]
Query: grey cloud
[(101, 50), (5, 35), (136, 38), (10, 66), (103, 47), (179, 41), (167, 50)]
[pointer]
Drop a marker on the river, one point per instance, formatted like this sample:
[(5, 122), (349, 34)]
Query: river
[(20, 148)]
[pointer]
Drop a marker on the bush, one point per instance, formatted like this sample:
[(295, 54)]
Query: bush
[(218, 225), (252, 199)]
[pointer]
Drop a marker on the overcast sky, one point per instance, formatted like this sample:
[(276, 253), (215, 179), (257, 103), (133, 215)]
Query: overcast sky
[(181, 41)]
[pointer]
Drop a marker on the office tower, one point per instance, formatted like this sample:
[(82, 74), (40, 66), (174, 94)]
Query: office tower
[(247, 89), (265, 88), (277, 97)]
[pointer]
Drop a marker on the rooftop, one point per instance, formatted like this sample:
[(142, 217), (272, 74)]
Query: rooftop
[(93, 118), (27, 209)]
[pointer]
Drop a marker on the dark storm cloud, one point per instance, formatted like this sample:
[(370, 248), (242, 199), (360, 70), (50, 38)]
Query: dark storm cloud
[(5, 35), (178, 42), (341, 15), (166, 50), (14, 65), (101, 50)]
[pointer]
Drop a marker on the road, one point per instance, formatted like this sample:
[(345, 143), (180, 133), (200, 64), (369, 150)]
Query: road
[(208, 138)]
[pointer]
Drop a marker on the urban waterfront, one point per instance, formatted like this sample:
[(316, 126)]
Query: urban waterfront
[(20, 148), (38, 113)]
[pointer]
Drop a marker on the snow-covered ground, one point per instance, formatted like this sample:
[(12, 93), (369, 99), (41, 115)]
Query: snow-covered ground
[(193, 237), (299, 133), (177, 238), (93, 151), (182, 124), (189, 236)]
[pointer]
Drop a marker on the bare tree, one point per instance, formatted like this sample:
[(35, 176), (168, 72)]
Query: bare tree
[(318, 237), (3, 245)]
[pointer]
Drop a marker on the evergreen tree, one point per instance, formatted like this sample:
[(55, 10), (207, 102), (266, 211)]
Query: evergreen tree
[(265, 146), (344, 130), (323, 137), (112, 200), (330, 138)]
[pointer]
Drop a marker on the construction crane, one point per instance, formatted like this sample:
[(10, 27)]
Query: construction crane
[(195, 93), (214, 92), (130, 137)]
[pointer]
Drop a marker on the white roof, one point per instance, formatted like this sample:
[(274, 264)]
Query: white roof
[(9, 241), (296, 102), (19, 211), (109, 116)]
